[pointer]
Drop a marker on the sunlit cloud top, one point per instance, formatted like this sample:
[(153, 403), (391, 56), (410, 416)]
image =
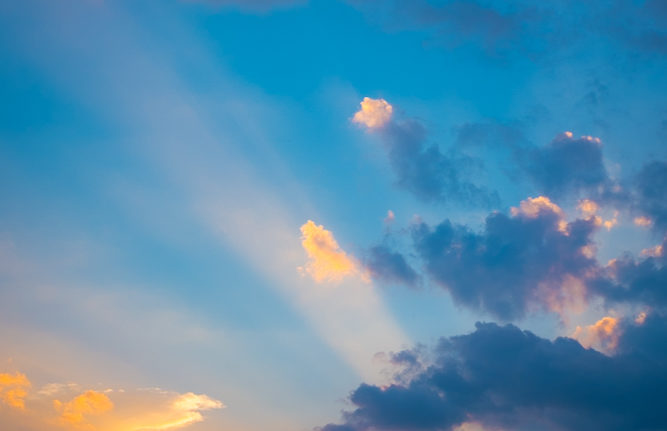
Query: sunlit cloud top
[(327, 261), (374, 113)]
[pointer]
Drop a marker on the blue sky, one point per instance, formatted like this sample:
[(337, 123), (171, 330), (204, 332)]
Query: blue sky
[(292, 215)]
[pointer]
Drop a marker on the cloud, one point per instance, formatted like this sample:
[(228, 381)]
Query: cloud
[(13, 389), (328, 262), (532, 257), (390, 266), (143, 409), (374, 113), (589, 210), (566, 165), (643, 221), (74, 412), (603, 334), (184, 410), (634, 281), (425, 171), (500, 377)]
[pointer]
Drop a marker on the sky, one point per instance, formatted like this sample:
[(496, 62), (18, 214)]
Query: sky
[(319, 215)]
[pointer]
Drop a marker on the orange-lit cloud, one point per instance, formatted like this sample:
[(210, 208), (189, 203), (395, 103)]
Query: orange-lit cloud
[(570, 297), (588, 207), (374, 113), (151, 409), (532, 207), (656, 251), (75, 412), (328, 262), (643, 221), (13, 389), (608, 224), (470, 426), (589, 210), (602, 335), (177, 412)]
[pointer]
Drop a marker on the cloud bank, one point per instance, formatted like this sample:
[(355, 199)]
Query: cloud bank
[(505, 378)]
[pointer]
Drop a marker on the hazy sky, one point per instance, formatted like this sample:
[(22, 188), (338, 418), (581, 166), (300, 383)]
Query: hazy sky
[(293, 215)]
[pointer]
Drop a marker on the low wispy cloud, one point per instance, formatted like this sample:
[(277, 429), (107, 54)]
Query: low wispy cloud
[(66, 406)]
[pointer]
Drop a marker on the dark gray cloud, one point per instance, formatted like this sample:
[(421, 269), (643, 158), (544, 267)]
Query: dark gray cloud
[(391, 266), (427, 172), (629, 280), (500, 376), (501, 270), (567, 165)]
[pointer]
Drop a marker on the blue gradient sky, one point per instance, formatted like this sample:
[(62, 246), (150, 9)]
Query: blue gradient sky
[(159, 158)]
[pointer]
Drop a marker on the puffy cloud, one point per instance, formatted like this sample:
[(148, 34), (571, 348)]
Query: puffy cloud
[(390, 266), (328, 262), (74, 412), (603, 334), (533, 207), (533, 257), (374, 113), (566, 165), (634, 281), (500, 377), (13, 389)]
